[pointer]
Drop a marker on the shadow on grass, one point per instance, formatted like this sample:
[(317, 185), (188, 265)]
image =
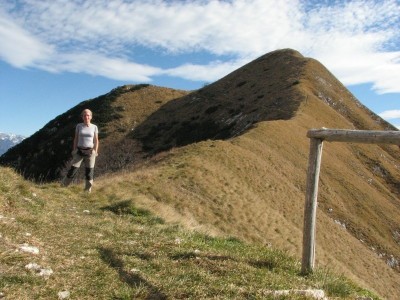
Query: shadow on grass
[(275, 264), (182, 256), (263, 264), (119, 208), (133, 280), (193, 255), (140, 215)]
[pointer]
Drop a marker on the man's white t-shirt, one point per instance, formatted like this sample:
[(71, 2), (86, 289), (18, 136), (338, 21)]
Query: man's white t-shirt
[(86, 135)]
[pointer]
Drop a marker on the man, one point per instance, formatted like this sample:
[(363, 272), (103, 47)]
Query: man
[(85, 148)]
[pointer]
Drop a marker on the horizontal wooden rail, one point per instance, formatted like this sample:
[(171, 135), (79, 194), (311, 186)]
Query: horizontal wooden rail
[(356, 136)]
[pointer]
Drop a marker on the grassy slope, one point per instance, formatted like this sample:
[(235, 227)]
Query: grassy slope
[(44, 155), (253, 187), (104, 246)]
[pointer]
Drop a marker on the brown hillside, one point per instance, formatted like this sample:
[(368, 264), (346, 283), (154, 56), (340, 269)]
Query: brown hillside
[(263, 90), (270, 88), (44, 156), (253, 185), (231, 159)]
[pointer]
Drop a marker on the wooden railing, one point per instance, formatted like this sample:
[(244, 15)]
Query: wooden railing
[(317, 137)]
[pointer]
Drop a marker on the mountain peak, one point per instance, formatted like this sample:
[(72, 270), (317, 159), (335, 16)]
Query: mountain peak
[(263, 90)]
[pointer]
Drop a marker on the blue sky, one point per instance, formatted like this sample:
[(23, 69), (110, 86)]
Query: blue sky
[(57, 53)]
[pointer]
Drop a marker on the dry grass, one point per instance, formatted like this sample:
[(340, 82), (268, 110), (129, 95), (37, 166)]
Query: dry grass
[(137, 105), (104, 246), (252, 187)]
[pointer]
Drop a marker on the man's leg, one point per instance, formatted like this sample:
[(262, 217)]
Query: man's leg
[(89, 179), (89, 171), (75, 164)]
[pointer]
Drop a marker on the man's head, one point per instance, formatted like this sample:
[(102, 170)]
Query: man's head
[(86, 116)]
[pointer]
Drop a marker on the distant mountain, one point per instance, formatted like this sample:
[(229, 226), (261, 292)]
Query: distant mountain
[(8, 141)]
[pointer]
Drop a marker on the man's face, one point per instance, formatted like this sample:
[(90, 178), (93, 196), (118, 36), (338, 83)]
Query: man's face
[(86, 116)]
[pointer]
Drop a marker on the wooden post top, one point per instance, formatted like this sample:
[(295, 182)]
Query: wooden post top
[(356, 136)]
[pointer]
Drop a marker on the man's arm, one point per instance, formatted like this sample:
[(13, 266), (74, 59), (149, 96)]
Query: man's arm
[(75, 144), (96, 143)]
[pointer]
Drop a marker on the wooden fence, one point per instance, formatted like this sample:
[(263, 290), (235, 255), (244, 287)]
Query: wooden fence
[(317, 137)]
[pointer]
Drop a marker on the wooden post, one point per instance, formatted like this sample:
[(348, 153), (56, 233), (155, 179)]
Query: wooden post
[(317, 136), (310, 208)]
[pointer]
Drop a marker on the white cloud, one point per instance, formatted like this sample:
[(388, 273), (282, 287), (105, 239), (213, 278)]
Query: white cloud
[(210, 72), (18, 47), (239, 26), (95, 64), (354, 39), (390, 114)]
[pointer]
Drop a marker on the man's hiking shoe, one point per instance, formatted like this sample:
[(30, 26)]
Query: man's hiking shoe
[(88, 186), (66, 182)]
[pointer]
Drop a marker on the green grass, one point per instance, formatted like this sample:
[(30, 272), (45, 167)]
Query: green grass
[(102, 247)]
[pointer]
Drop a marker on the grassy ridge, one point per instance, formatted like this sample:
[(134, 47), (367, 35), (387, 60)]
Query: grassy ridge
[(102, 246)]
